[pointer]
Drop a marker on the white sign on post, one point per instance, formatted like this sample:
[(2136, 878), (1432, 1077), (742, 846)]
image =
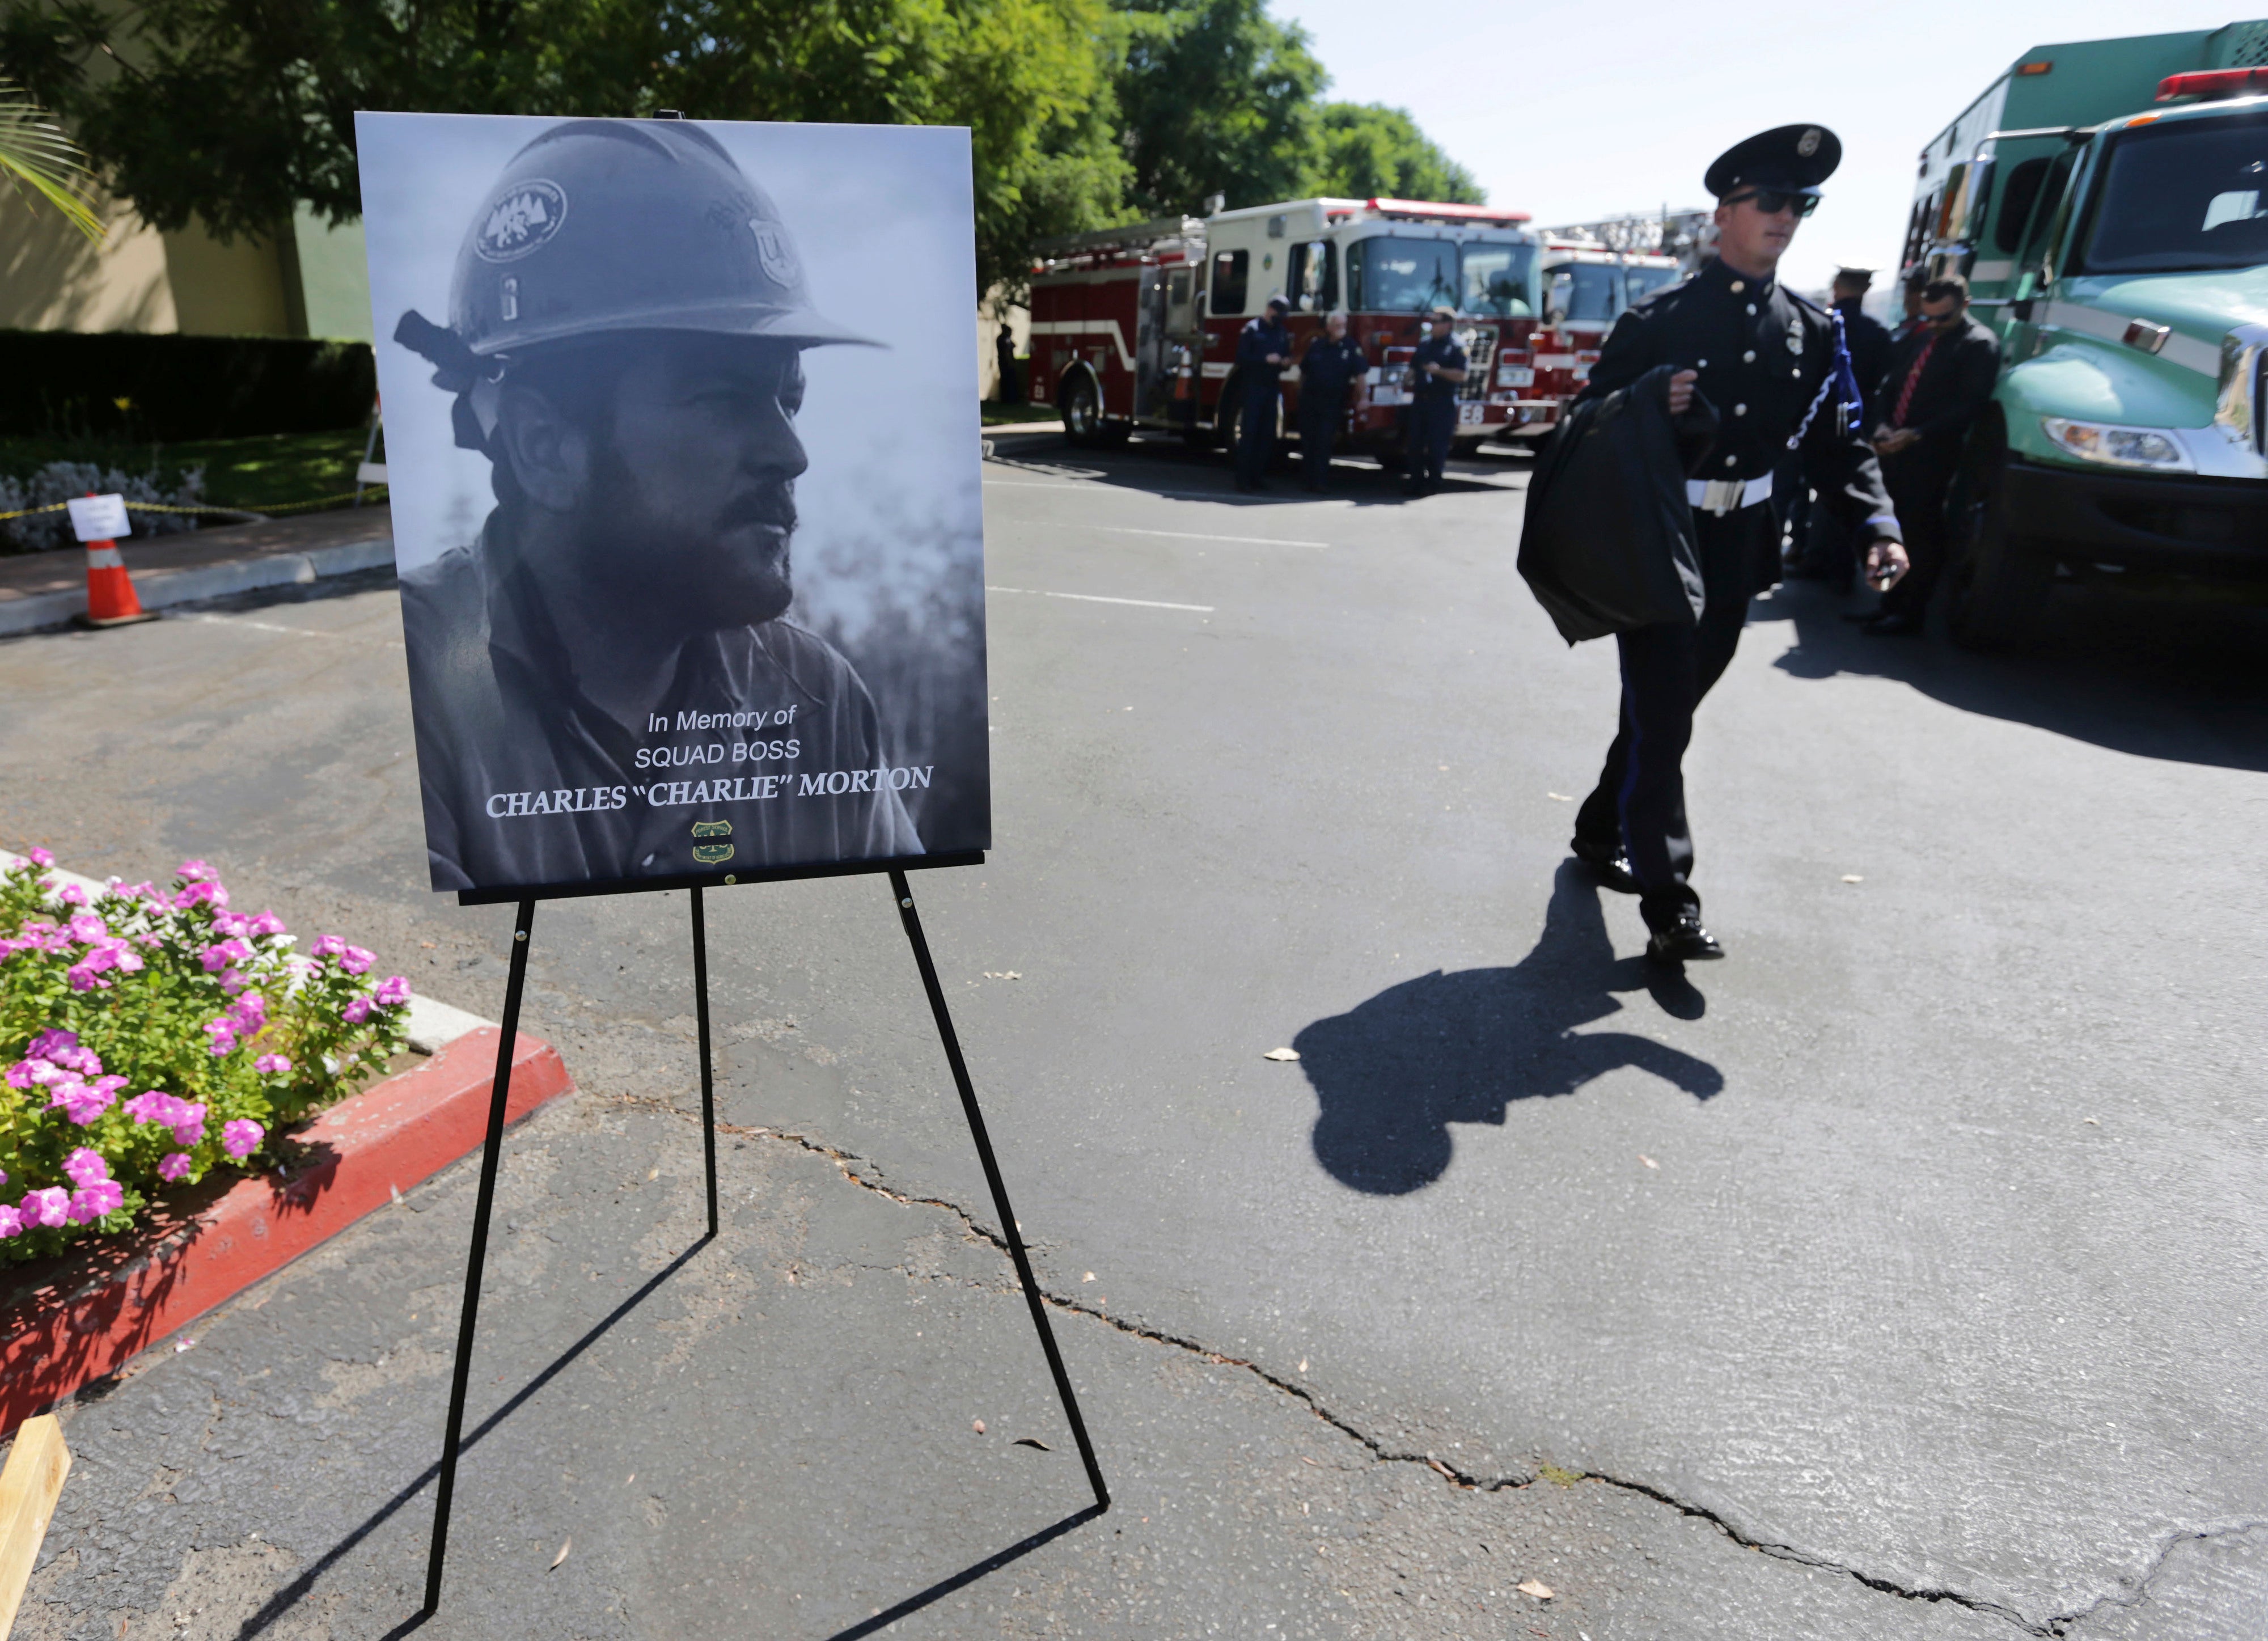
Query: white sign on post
[(99, 517)]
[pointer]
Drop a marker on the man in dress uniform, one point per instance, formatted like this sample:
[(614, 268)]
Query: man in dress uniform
[(1437, 369), (1826, 554), (1333, 362), (1765, 360), (605, 683), (1262, 352)]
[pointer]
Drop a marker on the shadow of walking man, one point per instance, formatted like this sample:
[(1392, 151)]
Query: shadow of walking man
[(1394, 1072)]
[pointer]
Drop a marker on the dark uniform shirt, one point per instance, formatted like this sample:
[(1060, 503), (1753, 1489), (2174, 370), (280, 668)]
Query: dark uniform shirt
[(1261, 337), (1325, 370), (1762, 355), (1439, 348), (527, 781)]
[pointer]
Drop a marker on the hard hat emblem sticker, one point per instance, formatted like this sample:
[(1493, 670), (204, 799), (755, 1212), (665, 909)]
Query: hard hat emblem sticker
[(522, 221), (775, 252), (1808, 144)]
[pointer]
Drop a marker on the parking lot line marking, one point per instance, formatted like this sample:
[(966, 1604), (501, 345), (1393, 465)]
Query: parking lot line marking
[(1096, 598), (1190, 535), (297, 632)]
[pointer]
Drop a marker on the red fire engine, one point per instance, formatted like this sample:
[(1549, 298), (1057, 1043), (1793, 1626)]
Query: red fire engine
[(1137, 327)]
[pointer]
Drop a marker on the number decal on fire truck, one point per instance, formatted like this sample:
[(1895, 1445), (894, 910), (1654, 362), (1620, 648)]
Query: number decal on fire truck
[(1469, 415)]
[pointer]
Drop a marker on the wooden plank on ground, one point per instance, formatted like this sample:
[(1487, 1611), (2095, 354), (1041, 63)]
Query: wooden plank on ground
[(29, 1488)]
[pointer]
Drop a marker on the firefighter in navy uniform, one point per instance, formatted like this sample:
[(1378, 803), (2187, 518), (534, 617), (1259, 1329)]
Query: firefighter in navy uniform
[(1262, 349), (1765, 359), (1333, 362), (1437, 369)]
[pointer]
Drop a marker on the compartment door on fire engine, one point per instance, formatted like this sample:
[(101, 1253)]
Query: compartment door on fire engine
[(1151, 388)]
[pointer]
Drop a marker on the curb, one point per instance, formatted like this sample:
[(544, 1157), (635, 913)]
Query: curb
[(159, 589), (88, 1319)]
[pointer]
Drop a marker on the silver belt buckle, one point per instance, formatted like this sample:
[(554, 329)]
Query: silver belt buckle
[(1723, 496)]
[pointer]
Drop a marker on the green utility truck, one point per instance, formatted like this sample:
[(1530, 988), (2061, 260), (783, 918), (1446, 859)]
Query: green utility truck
[(2108, 201)]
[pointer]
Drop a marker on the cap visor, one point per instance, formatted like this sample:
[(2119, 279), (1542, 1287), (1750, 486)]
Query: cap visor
[(801, 328)]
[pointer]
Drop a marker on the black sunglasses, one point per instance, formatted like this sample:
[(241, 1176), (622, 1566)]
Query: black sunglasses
[(1771, 201)]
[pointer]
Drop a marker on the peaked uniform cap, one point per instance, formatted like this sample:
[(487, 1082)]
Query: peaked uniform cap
[(1796, 158), (604, 226)]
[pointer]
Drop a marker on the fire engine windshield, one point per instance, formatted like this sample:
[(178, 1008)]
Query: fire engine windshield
[(1641, 283), (1496, 279), (1389, 275), (2191, 195)]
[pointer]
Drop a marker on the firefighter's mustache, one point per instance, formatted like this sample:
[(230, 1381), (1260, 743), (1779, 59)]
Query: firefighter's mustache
[(773, 507)]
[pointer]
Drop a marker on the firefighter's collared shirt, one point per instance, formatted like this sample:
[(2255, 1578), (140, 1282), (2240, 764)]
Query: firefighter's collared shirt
[(764, 749)]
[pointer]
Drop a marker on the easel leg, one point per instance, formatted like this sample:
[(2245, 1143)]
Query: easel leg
[(701, 1022), (500, 1090), (1023, 1263)]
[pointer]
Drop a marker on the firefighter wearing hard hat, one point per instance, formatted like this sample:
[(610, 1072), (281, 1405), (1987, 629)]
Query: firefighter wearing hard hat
[(606, 684)]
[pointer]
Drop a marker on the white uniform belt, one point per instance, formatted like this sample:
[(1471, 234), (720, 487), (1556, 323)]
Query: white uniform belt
[(1723, 496)]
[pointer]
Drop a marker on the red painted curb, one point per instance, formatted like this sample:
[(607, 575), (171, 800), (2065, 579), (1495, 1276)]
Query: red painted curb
[(66, 1322)]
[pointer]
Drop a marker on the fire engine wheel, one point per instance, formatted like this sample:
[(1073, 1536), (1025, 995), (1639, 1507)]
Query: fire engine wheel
[(1999, 579), (1082, 409)]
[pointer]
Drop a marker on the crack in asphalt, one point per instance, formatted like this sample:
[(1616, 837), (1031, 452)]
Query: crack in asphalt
[(848, 1164)]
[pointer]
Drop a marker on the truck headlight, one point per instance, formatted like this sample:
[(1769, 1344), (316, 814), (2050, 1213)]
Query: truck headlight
[(2142, 447)]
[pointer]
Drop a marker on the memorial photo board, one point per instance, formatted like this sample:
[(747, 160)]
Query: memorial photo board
[(680, 421)]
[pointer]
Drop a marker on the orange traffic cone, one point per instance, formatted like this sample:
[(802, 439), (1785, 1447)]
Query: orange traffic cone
[(110, 599)]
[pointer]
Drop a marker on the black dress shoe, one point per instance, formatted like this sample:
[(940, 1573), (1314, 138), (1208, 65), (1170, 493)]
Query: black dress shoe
[(1685, 941), (1610, 868), (1887, 625)]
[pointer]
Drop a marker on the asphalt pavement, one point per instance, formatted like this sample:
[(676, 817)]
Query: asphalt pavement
[(1901, 1275)]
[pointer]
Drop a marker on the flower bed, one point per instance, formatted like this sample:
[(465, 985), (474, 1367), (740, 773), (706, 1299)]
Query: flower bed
[(223, 1034)]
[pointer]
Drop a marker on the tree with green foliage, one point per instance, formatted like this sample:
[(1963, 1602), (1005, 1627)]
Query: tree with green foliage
[(236, 112), (1370, 151), (1217, 98), (44, 163)]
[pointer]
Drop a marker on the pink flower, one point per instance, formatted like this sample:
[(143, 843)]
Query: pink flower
[(11, 1223), (240, 1138), (72, 895), (328, 945), (90, 1203), (189, 1123), (87, 928), (85, 1166), (174, 1166), (83, 1102), (39, 856), (270, 1065), (210, 894), (196, 871), (51, 1041), (26, 1073), (220, 955), (356, 1010), (393, 993), (47, 1208), (223, 1033), (248, 1013), (266, 922), (156, 1106), (356, 960)]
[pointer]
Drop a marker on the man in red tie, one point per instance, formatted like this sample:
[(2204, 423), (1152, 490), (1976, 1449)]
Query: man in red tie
[(1939, 378)]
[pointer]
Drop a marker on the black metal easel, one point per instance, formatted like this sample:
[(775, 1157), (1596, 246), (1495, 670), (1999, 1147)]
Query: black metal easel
[(489, 1158)]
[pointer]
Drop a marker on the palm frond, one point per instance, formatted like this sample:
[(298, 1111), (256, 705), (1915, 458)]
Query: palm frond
[(37, 156)]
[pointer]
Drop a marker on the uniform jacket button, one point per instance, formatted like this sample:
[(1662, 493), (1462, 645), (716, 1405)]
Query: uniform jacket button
[(1740, 409), (1749, 358), (1731, 460), (1701, 364), (1740, 285), (1752, 308)]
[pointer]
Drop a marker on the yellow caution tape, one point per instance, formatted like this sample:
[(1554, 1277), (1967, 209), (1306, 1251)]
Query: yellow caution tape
[(280, 507)]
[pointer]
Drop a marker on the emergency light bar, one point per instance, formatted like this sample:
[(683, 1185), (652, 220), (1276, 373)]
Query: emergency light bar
[(1455, 213), (2213, 83)]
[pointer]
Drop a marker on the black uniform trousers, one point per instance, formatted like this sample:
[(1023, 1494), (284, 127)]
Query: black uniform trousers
[(1319, 417), (1433, 419), (1255, 432), (1919, 479), (1640, 802)]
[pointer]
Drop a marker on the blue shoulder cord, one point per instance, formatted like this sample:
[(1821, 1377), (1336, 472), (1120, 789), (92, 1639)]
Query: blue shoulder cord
[(1841, 378)]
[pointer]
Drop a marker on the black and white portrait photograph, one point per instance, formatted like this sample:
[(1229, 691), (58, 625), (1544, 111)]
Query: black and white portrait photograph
[(681, 431)]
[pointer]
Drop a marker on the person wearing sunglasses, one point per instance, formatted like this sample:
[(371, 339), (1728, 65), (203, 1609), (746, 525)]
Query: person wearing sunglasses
[(1768, 363)]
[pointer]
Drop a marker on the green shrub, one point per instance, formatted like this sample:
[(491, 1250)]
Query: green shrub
[(137, 387), (161, 1036)]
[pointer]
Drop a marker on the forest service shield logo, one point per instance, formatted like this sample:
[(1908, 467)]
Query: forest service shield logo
[(775, 252), (523, 220)]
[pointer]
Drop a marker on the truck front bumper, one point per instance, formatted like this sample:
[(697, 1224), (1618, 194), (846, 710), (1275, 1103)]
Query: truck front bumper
[(2203, 526)]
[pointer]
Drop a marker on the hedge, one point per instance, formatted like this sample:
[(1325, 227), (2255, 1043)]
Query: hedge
[(126, 385)]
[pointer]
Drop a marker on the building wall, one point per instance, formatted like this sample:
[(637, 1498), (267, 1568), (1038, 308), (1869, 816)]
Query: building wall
[(989, 312), (52, 277)]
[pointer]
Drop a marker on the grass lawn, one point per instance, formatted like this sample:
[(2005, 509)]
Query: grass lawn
[(271, 471)]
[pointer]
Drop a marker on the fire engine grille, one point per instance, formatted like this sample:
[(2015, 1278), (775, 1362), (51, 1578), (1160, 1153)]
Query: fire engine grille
[(1480, 359)]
